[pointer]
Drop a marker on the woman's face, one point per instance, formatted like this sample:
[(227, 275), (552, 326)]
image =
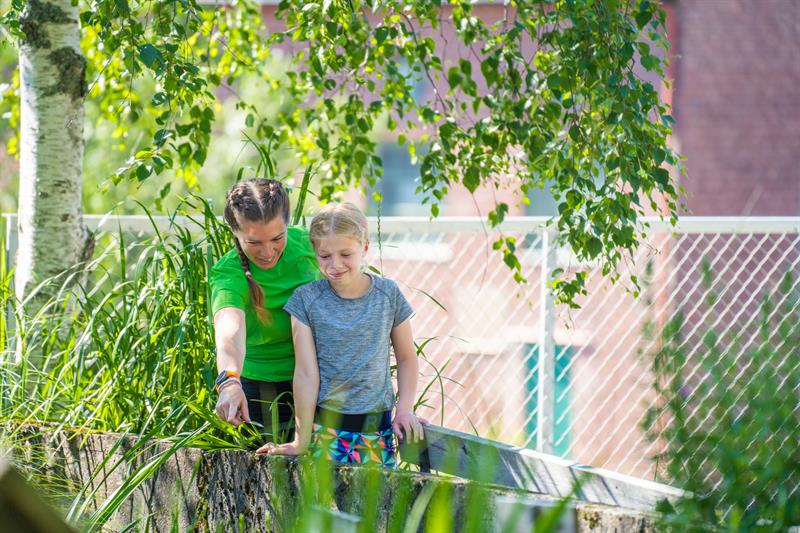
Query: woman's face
[(262, 242)]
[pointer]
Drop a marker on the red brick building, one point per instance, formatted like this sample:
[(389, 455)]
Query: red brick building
[(735, 100)]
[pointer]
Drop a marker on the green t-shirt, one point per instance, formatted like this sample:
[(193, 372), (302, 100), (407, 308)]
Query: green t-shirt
[(269, 352)]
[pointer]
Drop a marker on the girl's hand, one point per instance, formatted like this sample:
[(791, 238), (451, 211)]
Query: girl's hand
[(232, 404), (290, 448), (405, 424)]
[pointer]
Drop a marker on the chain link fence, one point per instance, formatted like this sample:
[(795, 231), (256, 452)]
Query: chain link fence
[(576, 383), (499, 359)]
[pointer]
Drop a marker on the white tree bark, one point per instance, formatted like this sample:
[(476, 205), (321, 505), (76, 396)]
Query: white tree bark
[(52, 237)]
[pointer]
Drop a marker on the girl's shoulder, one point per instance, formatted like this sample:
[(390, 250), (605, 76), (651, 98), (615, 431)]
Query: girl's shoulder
[(311, 290), (385, 285)]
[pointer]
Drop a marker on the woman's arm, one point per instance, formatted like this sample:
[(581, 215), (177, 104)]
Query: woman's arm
[(405, 422), (229, 336), (306, 391)]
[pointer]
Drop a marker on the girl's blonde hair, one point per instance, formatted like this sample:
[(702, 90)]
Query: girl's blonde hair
[(339, 219)]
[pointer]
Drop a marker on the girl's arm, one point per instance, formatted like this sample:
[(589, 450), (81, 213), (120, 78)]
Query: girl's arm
[(229, 336), (306, 391), (405, 422)]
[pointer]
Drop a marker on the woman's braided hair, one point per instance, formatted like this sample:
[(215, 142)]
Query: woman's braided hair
[(256, 200)]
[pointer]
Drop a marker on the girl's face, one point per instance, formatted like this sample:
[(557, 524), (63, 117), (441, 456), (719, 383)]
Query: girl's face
[(340, 258), (262, 242)]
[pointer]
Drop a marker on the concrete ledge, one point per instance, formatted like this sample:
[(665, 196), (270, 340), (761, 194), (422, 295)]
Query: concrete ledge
[(463, 455), (221, 490)]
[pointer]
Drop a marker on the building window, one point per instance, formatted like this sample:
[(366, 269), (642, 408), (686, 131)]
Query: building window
[(398, 185), (542, 203)]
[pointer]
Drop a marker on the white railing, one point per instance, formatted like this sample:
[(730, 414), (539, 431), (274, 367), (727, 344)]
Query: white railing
[(524, 371)]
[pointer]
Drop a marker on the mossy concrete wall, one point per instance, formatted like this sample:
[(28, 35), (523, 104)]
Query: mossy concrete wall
[(218, 491)]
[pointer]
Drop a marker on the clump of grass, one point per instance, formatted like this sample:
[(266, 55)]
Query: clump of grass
[(126, 347)]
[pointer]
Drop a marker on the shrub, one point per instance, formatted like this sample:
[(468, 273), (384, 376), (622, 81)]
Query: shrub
[(731, 421)]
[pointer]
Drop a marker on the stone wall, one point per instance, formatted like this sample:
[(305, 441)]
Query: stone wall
[(218, 491)]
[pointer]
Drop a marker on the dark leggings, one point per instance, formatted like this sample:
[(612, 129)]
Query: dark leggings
[(260, 397)]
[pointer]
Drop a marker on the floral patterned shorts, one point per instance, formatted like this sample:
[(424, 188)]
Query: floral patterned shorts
[(354, 447)]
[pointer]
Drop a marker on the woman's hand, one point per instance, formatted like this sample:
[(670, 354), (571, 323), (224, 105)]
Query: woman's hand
[(232, 404), (406, 424), (290, 448)]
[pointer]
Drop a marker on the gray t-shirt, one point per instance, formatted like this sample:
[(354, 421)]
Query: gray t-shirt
[(352, 341)]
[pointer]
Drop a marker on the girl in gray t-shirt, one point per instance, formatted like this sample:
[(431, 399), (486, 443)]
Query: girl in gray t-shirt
[(343, 327)]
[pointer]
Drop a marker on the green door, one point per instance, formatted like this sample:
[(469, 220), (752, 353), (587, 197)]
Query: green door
[(561, 440)]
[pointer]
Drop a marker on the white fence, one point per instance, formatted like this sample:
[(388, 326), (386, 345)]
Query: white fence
[(572, 382)]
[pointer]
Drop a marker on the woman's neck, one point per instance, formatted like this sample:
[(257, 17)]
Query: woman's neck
[(352, 289)]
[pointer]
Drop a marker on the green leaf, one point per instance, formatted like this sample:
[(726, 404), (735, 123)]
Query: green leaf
[(661, 175), (185, 151), (626, 52), (593, 247), (162, 135), (472, 178), (454, 77), (143, 172), (149, 55), (497, 216), (361, 157), (159, 98), (199, 155), (381, 34), (489, 70), (554, 82), (649, 62), (644, 15), (122, 7)]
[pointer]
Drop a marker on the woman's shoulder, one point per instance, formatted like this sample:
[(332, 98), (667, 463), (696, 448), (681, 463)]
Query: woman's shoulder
[(227, 275), (298, 245), (297, 230), (228, 264), (298, 235)]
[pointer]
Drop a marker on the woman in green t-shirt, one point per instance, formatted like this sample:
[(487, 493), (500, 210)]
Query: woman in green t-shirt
[(249, 287)]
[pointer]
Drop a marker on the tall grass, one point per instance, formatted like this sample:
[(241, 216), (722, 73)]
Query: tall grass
[(126, 349), (130, 345)]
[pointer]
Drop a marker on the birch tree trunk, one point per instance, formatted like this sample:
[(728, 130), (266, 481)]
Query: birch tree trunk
[(52, 237)]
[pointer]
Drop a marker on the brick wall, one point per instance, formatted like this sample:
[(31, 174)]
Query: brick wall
[(737, 105)]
